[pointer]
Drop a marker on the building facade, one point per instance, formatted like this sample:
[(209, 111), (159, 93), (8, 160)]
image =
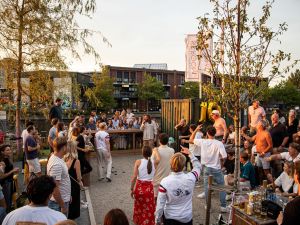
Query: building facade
[(127, 79)]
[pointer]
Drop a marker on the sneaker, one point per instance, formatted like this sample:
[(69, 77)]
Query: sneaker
[(224, 209), (22, 171), (228, 197), (83, 202), (84, 206), (100, 179), (108, 179), (201, 195)]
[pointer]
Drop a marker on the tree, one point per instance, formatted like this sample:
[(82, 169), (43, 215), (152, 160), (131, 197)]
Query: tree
[(285, 92), (36, 32), (101, 96), (242, 58), (190, 90), (150, 88), (294, 78)]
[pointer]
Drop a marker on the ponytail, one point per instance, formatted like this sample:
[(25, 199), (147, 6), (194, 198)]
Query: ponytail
[(149, 165)]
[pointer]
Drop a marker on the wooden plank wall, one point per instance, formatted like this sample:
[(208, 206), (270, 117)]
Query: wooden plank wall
[(173, 110)]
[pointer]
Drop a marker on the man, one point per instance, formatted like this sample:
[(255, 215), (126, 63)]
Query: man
[(56, 110), (220, 125), (280, 138), (184, 132), (293, 154), (31, 152), (52, 133), (161, 157), (58, 169), (213, 155), (149, 131), (256, 113), (94, 116), (102, 145), (278, 133), (247, 175), (129, 115), (24, 135), (39, 191), (264, 146), (91, 125)]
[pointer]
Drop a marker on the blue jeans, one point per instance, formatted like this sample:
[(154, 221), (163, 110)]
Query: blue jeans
[(218, 178), (55, 206)]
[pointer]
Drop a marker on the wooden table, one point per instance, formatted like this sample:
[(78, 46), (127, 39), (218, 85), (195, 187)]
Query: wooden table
[(239, 217), (132, 132)]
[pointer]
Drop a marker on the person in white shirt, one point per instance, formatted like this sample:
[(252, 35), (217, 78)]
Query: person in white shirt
[(285, 183), (149, 129), (256, 113), (57, 168), (175, 193), (213, 155), (142, 189), (161, 157), (293, 154), (102, 145), (39, 191)]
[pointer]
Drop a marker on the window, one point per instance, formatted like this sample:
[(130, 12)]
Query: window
[(181, 80), (159, 76), (132, 78), (119, 76), (165, 78), (126, 77)]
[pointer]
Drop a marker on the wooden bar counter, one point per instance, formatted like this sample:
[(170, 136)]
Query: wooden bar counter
[(239, 217)]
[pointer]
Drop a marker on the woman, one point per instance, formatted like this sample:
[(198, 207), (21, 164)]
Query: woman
[(142, 189), (6, 179), (115, 217), (292, 125), (73, 164), (285, 184), (60, 130), (84, 164), (121, 139), (175, 194)]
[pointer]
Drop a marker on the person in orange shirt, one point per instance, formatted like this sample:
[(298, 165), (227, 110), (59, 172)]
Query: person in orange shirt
[(263, 142), (297, 175)]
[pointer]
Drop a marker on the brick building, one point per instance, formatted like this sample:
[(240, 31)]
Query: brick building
[(127, 79)]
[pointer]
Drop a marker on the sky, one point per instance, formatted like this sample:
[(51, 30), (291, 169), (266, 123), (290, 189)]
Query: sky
[(153, 31)]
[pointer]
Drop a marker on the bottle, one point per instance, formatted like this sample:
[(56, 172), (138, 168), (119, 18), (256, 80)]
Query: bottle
[(250, 209)]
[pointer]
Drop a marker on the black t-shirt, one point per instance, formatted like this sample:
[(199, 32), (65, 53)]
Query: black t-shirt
[(291, 213), (278, 133), (184, 131), (292, 129), (8, 167), (229, 165), (81, 144), (55, 112)]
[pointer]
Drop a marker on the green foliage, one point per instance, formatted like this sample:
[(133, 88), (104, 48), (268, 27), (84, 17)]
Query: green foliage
[(151, 88), (101, 95), (285, 92), (37, 34), (190, 90), (242, 54), (294, 78)]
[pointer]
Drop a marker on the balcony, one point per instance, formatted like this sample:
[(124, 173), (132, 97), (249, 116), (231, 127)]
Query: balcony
[(125, 95)]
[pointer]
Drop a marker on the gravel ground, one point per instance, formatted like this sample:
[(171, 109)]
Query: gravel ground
[(106, 196)]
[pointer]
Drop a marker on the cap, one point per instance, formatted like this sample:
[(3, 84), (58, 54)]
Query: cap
[(215, 112)]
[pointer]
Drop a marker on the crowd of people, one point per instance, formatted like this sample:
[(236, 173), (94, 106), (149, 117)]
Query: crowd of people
[(164, 179)]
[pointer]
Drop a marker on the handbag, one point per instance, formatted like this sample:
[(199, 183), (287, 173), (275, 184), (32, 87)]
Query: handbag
[(273, 209)]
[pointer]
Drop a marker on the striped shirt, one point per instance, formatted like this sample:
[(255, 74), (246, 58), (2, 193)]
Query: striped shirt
[(58, 169)]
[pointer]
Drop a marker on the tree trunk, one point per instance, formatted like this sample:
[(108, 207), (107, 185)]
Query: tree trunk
[(19, 75), (237, 105)]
